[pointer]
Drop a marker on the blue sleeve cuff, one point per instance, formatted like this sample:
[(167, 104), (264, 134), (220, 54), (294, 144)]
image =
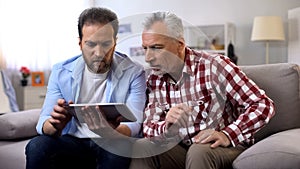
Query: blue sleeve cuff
[(135, 128)]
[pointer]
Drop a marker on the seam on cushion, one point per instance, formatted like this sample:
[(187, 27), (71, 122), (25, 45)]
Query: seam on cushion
[(11, 130)]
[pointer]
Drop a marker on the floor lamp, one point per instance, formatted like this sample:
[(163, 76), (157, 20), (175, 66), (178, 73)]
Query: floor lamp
[(267, 28)]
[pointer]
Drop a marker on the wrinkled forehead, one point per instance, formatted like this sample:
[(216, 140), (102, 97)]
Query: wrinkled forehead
[(155, 35)]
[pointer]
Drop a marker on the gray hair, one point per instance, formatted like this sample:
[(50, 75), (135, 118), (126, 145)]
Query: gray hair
[(173, 23)]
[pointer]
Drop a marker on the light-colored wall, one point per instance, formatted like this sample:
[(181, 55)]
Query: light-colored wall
[(239, 12), (294, 36)]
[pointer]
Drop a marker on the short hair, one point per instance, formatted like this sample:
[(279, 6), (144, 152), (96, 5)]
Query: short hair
[(172, 22), (98, 15)]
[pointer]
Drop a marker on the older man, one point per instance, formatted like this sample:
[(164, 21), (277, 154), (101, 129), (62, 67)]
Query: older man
[(202, 102)]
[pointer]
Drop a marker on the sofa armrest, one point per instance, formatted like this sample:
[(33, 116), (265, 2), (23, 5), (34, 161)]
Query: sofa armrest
[(280, 150), (281, 83), (18, 125)]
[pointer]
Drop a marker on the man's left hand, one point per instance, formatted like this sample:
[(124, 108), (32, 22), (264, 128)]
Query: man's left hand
[(217, 138)]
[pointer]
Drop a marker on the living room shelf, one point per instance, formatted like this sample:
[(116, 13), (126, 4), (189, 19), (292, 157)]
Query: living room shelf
[(30, 97), (211, 38)]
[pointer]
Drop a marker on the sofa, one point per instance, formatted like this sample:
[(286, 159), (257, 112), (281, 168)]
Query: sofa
[(276, 144), (16, 129)]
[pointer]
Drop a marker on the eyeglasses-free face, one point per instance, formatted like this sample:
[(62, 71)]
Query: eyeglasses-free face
[(98, 45)]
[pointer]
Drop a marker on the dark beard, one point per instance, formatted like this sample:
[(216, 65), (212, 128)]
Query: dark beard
[(104, 69)]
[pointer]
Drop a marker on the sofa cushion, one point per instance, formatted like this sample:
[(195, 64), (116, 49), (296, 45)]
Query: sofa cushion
[(277, 152), (12, 154), (19, 125), (281, 83)]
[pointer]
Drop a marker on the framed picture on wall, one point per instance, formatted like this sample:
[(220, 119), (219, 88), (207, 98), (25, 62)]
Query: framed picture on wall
[(37, 79), (137, 51), (124, 28)]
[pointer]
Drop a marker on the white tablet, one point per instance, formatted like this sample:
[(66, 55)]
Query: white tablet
[(111, 111)]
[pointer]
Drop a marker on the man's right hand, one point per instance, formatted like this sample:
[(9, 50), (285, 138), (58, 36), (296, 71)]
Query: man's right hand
[(59, 119), (178, 115)]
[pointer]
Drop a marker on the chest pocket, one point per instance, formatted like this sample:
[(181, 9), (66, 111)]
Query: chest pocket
[(201, 107)]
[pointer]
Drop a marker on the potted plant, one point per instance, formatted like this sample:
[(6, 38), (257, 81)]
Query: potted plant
[(25, 74)]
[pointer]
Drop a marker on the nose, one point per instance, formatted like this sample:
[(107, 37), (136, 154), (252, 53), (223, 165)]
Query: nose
[(148, 56), (99, 51)]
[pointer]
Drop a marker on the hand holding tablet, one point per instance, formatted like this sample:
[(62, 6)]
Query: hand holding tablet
[(98, 115)]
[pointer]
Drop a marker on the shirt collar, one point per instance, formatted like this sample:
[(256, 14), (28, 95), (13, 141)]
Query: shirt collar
[(186, 71), (189, 62)]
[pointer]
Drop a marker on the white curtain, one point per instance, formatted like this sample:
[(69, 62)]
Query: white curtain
[(39, 33)]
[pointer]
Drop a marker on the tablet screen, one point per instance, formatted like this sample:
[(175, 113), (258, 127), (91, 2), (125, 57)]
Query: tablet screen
[(111, 111)]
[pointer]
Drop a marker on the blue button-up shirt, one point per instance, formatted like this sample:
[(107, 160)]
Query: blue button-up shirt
[(126, 83)]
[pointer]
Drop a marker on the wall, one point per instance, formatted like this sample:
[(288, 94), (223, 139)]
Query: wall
[(239, 12), (294, 36)]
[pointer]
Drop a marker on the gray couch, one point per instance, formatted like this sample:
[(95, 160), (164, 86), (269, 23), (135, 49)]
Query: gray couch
[(277, 144), (16, 128)]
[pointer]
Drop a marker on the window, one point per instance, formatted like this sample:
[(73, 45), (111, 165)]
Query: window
[(38, 34)]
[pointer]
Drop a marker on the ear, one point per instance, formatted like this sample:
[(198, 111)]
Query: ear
[(181, 45), (79, 43), (116, 38)]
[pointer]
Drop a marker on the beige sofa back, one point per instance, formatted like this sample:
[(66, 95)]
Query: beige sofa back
[(281, 83)]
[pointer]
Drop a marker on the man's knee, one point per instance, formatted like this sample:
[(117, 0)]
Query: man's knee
[(200, 153), (38, 144)]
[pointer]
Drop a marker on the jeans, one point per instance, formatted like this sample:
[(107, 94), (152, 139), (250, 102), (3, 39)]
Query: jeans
[(68, 152)]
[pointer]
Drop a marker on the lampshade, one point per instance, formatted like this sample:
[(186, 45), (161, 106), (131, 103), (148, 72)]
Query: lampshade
[(267, 28)]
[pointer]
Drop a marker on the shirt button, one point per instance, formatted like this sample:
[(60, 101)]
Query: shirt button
[(200, 102)]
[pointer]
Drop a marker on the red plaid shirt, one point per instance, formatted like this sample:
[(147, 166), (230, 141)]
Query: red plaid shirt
[(222, 96)]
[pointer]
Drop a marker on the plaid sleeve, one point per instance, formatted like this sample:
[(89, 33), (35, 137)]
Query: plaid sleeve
[(256, 108), (154, 123)]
